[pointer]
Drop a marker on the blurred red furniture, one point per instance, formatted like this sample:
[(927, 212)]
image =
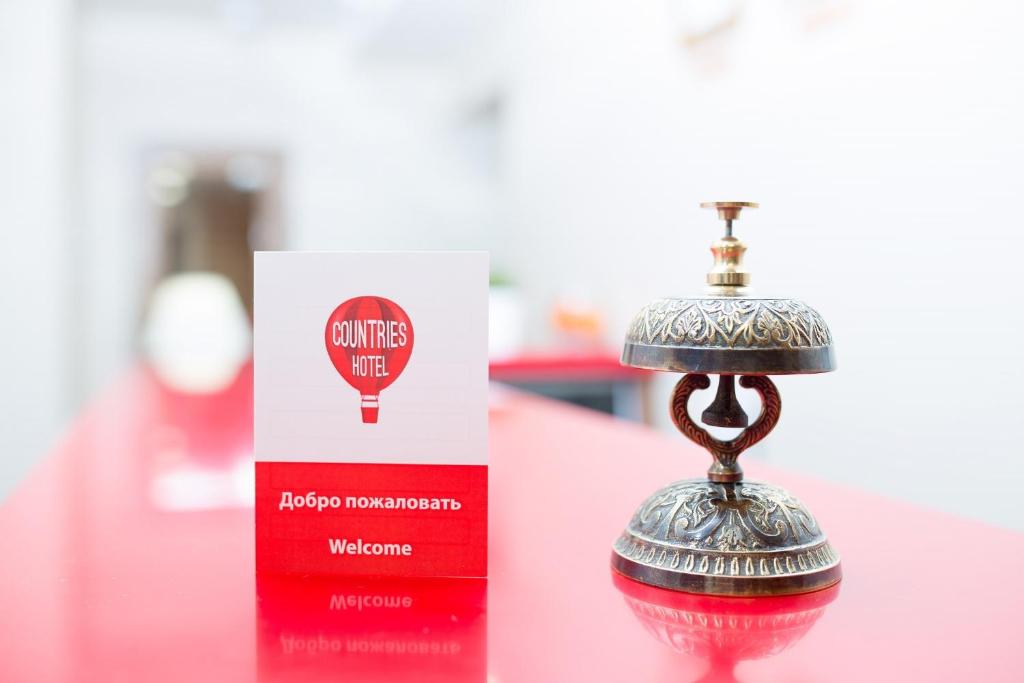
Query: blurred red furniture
[(128, 556)]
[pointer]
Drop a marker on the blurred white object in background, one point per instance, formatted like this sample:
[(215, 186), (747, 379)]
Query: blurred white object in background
[(506, 322), (196, 334)]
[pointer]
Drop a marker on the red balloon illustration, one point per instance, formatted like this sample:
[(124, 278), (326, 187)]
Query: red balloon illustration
[(369, 340)]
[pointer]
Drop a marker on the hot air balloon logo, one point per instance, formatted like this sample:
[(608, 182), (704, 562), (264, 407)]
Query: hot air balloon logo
[(369, 340)]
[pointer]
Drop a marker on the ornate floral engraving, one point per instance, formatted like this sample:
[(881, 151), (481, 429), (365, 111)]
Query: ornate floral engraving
[(730, 324), (817, 558), (702, 515)]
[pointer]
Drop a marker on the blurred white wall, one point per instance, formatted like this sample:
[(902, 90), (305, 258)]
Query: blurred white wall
[(38, 325), (882, 139), (885, 147), (370, 143)]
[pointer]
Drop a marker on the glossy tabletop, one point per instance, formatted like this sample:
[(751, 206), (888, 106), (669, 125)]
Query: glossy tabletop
[(128, 556), (567, 366)]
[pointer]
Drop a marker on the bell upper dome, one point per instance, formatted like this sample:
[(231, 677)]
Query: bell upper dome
[(729, 335)]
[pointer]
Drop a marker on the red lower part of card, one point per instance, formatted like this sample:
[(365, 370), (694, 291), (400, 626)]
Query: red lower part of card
[(363, 519)]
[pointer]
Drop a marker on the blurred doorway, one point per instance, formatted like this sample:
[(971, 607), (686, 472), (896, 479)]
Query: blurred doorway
[(214, 208)]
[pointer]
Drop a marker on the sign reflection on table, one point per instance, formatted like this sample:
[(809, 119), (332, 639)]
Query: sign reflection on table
[(724, 630), (362, 629)]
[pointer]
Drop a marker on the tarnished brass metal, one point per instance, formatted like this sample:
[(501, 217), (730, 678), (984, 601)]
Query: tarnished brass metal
[(729, 331), (729, 211), (728, 271), (725, 468), (721, 535), (729, 336), (725, 410), (728, 277)]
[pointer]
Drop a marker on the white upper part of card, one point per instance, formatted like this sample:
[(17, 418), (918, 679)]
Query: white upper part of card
[(432, 411)]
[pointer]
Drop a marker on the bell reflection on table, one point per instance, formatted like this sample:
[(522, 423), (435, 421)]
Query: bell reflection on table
[(371, 629), (724, 630)]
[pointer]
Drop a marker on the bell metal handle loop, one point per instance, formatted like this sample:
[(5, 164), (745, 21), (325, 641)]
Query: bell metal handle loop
[(725, 469)]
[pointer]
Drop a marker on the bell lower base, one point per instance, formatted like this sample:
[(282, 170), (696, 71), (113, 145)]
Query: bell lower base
[(724, 584), (731, 539)]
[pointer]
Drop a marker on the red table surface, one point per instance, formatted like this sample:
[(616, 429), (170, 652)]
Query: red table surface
[(115, 569), (564, 366)]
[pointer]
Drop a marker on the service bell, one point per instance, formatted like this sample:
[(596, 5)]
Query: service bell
[(723, 535)]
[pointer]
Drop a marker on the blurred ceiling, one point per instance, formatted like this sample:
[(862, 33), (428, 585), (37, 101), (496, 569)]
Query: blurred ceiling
[(433, 30)]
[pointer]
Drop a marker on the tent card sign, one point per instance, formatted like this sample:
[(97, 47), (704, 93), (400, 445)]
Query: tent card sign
[(371, 413)]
